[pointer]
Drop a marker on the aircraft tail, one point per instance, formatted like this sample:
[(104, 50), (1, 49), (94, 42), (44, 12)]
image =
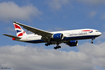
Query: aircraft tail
[(19, 31)]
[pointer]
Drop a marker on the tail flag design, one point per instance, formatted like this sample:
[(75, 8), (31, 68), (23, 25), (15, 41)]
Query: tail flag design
[(19, 31)]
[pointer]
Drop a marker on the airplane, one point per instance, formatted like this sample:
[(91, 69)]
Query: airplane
[(69, 37)]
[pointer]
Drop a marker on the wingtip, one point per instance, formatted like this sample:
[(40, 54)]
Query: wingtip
[(14, 22), (4, 34)]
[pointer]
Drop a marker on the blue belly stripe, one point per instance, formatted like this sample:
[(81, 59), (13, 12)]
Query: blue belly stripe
[(66, 38), (35, 41)]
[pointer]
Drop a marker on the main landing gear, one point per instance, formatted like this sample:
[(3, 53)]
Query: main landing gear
[(47, 44), (57, 47)]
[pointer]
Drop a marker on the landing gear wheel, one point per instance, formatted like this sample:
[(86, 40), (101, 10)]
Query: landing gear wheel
[(46, 44), (57, 47), (92, 42)]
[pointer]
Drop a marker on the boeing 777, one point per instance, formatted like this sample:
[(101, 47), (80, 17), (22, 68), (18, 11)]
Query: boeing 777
[(69, 37)]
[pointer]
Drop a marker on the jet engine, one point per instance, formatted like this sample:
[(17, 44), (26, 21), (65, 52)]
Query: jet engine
[(72, 43), (58, 36)]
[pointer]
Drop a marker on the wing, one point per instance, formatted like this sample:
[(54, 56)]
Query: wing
[(12, 36), (35, 30)]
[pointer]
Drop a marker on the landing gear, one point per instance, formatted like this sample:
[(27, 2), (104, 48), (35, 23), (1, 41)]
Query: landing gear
[(92, 40), (47, 44), (57, 47)]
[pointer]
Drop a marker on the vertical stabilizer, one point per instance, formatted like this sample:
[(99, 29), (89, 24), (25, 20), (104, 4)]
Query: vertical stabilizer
[(19, 31)]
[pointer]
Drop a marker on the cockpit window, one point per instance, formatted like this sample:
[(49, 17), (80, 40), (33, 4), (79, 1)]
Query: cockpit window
[(97, 31)]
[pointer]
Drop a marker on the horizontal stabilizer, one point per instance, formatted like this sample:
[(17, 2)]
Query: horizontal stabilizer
[(12, 36)]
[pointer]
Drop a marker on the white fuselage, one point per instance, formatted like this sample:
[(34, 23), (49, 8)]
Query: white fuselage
[(67, 34), (69, 37)]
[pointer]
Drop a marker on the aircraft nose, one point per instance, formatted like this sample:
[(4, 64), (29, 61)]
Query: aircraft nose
[(100, 33)]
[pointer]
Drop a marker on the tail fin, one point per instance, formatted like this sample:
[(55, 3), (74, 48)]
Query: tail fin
[(19, 31)]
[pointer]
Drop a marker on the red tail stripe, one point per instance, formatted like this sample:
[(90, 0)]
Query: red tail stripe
[(21, 34), (16, 26)]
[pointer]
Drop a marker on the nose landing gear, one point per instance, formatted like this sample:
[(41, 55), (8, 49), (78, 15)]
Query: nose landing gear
[(92, 40)]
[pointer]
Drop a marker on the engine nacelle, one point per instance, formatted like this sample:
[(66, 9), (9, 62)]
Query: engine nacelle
[(72, 43), (58, 36)]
